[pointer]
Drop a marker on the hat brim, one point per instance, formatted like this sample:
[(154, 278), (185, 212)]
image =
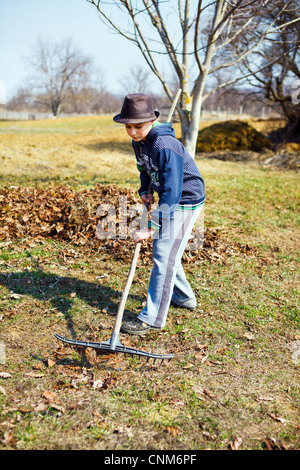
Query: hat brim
[(118, 118)]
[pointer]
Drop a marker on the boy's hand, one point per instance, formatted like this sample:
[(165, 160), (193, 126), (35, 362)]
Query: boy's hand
[(141, 235), (148, 200)]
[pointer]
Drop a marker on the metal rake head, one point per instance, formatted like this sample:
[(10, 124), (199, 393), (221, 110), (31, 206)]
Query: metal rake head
[(115, 348)]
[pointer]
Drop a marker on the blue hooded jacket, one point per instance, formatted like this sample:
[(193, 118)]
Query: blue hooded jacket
[(164, 162)]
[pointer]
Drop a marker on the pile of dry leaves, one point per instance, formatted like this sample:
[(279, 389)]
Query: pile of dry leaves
[(64, 214)]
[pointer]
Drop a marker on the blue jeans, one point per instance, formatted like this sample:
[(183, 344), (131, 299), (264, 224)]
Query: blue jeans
[(168, 281)]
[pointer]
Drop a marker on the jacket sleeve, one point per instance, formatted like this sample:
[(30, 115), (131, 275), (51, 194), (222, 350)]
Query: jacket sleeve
[(170, 176), (144, 177), (145, 181)]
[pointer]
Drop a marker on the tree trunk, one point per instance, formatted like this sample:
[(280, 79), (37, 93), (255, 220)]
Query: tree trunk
[(292, 129), (55, 107), (189, 132), (190, 120)]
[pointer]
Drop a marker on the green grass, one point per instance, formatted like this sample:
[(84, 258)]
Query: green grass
[(233, 374)]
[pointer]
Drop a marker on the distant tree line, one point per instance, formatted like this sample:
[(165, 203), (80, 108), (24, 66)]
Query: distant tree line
[(89, 100), (63, 80)]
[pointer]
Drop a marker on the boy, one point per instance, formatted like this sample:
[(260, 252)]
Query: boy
[(166, 168)]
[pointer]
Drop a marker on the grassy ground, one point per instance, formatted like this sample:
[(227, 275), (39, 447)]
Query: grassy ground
[(234, 380)]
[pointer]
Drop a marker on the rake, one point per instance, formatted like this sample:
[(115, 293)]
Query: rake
[(114, 344)]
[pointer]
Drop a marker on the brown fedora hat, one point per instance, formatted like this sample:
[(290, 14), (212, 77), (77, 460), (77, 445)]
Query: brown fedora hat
[(136, 108)]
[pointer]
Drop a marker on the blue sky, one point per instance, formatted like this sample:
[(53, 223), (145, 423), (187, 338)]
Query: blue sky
[(22, 22)]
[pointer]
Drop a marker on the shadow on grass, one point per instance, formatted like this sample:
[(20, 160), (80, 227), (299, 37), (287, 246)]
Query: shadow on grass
[(61, 292), (110, 146)]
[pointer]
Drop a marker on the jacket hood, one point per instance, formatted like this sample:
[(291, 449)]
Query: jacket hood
[(158, 130)]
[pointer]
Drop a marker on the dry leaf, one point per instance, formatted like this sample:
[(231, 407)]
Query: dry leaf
[(15, 296), (209, 394), (98, 383), (173, 430), (271, 444), (200, 347), (8, 439), (40, 408), (61, 213), (53, 401), (277, 418), (264, 398), (57, 407), (198, 390), (188, 366), (5, 375), (249, 336), (124, 430), (71, 295), (203, 391), (36, 375), (6, 424), (49, 396), (50, 363), (235, 444)]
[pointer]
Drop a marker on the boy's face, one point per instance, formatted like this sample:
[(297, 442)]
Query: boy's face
[(140, 131)]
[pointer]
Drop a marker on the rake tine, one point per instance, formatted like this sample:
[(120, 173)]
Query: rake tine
[(119, 348)]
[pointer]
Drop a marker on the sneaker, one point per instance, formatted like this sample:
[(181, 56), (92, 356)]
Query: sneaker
[(182, 306), (137, 327)]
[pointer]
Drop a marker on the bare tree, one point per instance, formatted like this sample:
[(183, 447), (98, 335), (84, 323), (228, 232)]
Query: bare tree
[(137, 80), (20, 101), (58, 72), (197, 38), (277, 82)]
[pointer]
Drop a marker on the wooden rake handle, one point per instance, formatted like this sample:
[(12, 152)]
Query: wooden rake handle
[(174, 104), (130, 276)]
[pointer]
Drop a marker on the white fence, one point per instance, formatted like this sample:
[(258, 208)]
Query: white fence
[(220, 113), (24, 115)]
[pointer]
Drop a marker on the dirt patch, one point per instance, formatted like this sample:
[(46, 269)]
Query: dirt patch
[(231, 135), (238, 141), (287, 158)]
